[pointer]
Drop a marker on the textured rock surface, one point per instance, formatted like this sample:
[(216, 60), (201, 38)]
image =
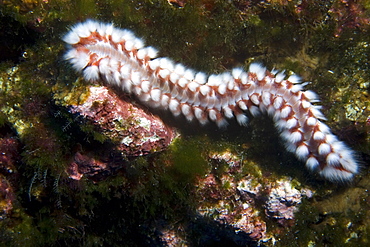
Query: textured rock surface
[(96, 170), (325, 42), (246, 202), (133, 130)]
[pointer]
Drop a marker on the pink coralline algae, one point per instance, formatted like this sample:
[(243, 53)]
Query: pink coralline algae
[(244, 203), (134, 131)]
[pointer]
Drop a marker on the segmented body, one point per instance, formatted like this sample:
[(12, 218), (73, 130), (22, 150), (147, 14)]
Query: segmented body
[(103, 52)]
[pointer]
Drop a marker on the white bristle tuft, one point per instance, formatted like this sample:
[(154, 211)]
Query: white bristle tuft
[(145, 86), (221, 89), (142, 53), (242, 105), (254, 110), (214, 80), (280, 124), (285, 111), (330, 138), (291, 123), (91, 73), (127, 35), (174, 107), (294, 137), (189, 74), (323, 128), (317, 113), (312, 163), (91, 25), (182, 82), (163, 73), (154, 64), (212, 114), (266, 98), (221, 123), (302, 151), (244, 78), (237, 72), (305, 104), (136, 78), (274, 71), (349, 163), (313, 97), (193, 86), (186, 110), (339, 147), (165, 101), (258, 69), (280, 77), (242, 119), (129, 45), (71, 38), (332, 159), (198, 113), (204, 90), (179, 69), (138, 43), (109, 29), (73, 54), (80, 61), (155, 94), (296, 88), (200, 78), (82, 31), (334, 174), (174, 78), (164, 62), (104, 66), (230, 85), (152, 52), (311, 121), (324, 149), (227, 112), (278, 101), (294, 79), (117, 35), (318, 136), (255, 99), (116, 78), (125, 71)]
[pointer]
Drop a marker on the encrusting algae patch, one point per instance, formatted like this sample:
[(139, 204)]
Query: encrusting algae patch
[(65, 181)]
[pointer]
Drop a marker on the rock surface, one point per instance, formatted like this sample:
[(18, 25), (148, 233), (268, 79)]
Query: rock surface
[(133, 130)]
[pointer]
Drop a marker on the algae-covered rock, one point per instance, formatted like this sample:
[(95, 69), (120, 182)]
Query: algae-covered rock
[(67, 183)]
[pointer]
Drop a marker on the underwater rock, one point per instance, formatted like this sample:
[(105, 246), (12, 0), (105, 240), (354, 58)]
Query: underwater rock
[(172, 239), (283, 200), (135, 131), (94, 169), (245, 202)]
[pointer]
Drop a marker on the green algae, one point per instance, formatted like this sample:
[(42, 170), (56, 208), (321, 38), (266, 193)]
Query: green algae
[(205, 35), (188, 157)]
